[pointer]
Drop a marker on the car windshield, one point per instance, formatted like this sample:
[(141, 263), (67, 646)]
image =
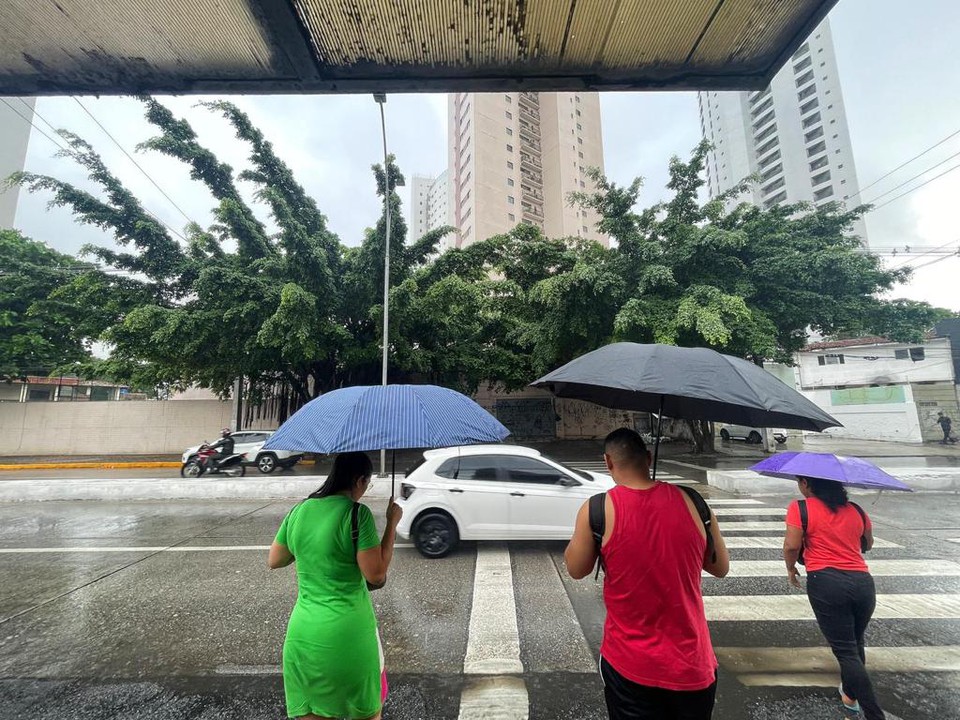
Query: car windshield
[(579, 473)]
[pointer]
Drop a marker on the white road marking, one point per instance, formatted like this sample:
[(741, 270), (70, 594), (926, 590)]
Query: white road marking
[(495, 698), (878, 568), (723, 502), (149, 549), (792, 660), (776, 543), (728, 511), (753, 608), (493, 642), (792, 680), (750, 525), (248, 670), (954, 540)]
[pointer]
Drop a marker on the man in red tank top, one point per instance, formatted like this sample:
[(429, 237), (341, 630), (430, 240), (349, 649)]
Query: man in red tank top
[(656, 658)]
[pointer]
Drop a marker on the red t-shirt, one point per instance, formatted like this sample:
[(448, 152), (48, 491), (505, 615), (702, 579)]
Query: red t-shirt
[(832, 539), (656, 630)]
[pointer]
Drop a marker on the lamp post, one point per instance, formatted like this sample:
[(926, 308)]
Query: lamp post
[(381, 99)]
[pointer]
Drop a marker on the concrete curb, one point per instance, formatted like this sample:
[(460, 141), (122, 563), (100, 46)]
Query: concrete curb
[(91, 465), (213, 488), (747, 482)]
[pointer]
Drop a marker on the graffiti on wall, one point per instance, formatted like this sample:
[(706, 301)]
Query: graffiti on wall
[(527, 418)]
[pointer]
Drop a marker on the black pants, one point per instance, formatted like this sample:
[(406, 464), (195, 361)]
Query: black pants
[(843, 602), (626, 700), (946, 435)]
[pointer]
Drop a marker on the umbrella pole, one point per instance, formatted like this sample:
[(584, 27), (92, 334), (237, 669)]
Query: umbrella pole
[(656, 439), (393, 472)]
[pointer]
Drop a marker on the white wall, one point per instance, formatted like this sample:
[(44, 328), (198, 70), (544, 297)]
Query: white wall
[(885, 370), (150, 427), (893, 421)]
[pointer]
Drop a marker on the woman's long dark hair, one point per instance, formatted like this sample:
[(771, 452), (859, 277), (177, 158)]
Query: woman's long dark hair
[(830, 492), (347, 467)]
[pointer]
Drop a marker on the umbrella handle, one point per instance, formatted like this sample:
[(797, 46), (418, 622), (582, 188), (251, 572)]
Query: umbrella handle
[(656, 439)]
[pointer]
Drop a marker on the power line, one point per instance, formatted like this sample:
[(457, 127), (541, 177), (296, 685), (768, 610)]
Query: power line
[(907, 192), (66, 149), (910, 180), (132, 159), (935, 250), (933, 262), (904, 164)]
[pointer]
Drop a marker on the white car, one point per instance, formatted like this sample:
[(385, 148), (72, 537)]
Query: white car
[(491, 492), (250, 443), (750, 434)]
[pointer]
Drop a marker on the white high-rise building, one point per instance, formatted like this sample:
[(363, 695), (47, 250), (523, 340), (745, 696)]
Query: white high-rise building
[(16, 115), (429, 205), (793, 134)]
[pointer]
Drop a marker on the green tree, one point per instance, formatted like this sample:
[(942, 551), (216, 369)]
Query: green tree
[(39, 330)]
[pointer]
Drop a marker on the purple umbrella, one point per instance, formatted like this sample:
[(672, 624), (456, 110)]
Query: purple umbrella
[(851, 471)]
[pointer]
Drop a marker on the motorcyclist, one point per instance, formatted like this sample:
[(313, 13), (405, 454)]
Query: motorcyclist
[(223, 448)]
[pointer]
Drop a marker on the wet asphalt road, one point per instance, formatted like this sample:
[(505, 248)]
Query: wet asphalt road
[(148, 624)]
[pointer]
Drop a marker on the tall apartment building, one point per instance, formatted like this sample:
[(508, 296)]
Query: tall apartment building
[(15, 116), (429, 205), (516, 157), (793, 134)]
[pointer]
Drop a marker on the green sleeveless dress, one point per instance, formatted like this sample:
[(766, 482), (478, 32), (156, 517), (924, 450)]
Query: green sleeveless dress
[(332, 658)]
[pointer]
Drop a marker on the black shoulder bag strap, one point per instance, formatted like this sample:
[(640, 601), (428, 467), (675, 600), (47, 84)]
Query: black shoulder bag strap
[(598, 523), (355, 536), (703, 510), (863, 536), (802, 506)]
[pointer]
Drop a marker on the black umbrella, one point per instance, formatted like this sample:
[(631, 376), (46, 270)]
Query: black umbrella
[(690, 383)]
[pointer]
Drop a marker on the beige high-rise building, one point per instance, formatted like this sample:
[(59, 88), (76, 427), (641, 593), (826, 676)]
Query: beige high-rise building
[(516, 157)]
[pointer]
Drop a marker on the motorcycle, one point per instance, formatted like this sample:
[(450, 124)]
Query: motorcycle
[(202, 462)]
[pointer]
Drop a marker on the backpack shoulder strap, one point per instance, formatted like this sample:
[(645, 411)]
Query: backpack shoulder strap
[(355, 525), (802, 506), (863, 518), (703, 510), (598, 523)]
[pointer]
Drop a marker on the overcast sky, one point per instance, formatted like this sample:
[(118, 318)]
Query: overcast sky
[(898, 71)]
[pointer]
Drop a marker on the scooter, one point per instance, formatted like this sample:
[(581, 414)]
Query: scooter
[(202, 462)]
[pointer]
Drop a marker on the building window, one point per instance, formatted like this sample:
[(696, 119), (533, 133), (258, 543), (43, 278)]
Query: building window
[(509, 131), (802, 65), (915, 353), (509, 148), (467, 212), (510, 199), (511, 217), (803, 48), (578, 113), (805, 78), (580, 141), (581, 155), (509, 165), (820, 179), (778, 198), (818, 148), (807, 107), (508, 114), (582, 184), (823, 194), (578, 98), (508, 98), (830, 360), (579, 127), (819, 163), (775, 185), (811, 121), (817, 132), (766, 133), (807, 92), (510, 182)]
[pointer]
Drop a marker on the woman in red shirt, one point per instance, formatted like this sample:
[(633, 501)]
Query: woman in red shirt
[(839, 584)]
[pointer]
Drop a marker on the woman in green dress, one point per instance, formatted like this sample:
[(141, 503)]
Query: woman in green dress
[(332, 658)]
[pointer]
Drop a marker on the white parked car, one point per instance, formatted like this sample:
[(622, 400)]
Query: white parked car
[(750, 434), (250, 443), (491, 492)]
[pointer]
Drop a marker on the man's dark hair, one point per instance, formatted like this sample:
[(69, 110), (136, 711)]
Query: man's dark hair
[(626, 447)]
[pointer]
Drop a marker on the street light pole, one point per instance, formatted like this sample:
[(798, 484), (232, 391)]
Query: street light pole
[(381, 99)]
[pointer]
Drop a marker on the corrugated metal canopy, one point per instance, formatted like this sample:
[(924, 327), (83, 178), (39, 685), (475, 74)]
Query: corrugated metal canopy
[(273, 46)]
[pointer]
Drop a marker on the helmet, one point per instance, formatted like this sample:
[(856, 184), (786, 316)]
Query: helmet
[(225, 431)]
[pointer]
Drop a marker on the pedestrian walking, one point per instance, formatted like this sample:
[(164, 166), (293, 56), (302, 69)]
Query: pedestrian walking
[(829, 534), (332, 656), (946, 424), (656, 658)]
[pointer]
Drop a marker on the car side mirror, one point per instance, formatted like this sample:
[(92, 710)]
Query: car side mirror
[(565, 481)]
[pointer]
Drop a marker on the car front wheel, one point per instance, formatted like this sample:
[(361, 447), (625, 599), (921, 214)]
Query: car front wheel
[(435, 535), (267, 463), (725, 436), (754, 438)]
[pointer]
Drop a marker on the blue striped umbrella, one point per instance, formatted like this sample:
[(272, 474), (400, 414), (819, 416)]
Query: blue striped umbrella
[(386, 417)]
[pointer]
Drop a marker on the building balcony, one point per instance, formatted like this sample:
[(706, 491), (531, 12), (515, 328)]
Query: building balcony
[(533, 130), (530, 161), (533, 196), (531, 146), (528, 113), (532, 178), (532, 213)]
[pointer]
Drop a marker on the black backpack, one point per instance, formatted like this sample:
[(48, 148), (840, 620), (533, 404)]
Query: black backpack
[(598, 520), (802, 505)]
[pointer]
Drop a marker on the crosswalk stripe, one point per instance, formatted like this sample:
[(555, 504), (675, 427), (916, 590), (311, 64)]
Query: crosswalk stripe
[(878, 568), (493, 640), (954, 540), (728, 526), (754, 608), (722, 511), (722, 502), (745, 542), (501, 697), (932, 658)]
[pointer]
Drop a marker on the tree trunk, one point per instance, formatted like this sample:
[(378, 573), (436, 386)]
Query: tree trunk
[(702, 432)]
